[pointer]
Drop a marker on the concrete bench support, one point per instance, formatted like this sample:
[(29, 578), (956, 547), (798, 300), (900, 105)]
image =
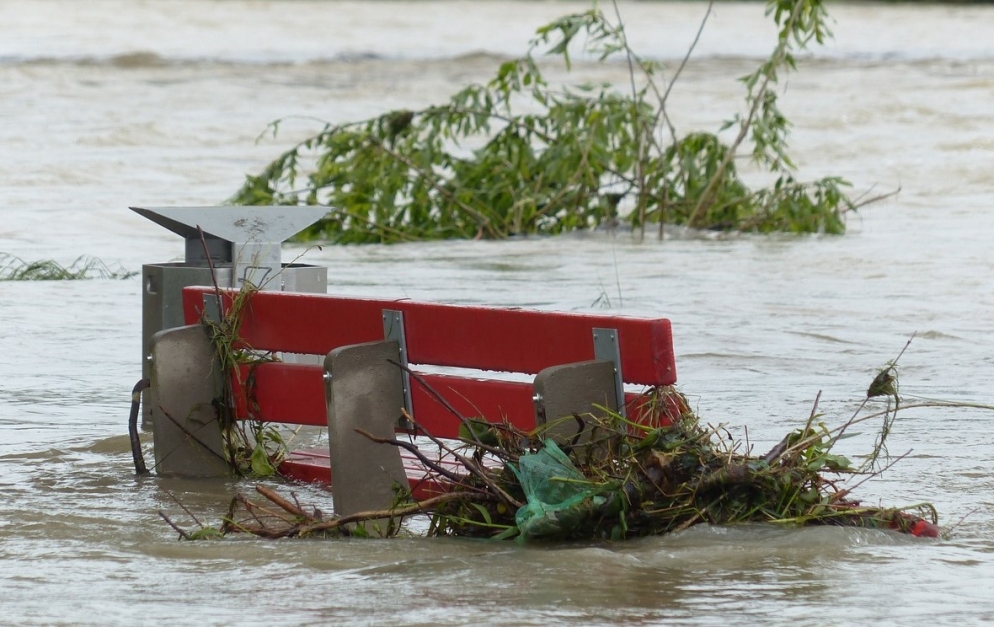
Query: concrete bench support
[(364, 390), (185, 383), (577, 388)]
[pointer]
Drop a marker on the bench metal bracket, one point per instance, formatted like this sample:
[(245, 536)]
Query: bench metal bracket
[(212, 308), (393, 329), (607, 347)]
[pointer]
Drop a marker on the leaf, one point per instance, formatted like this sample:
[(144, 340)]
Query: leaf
[(884, 384), (838, 463), (483, 512), (260, 464), (206, 533), (481, 431), (828, 461)]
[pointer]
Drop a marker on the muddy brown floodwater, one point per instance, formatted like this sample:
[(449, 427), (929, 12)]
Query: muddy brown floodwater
[(107, 104)]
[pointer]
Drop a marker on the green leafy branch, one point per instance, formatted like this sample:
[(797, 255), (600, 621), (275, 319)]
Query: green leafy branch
[(517, 155)]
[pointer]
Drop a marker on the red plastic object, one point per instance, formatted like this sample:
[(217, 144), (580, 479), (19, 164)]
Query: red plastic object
[(915, 526), (924, 529), (294, 394)]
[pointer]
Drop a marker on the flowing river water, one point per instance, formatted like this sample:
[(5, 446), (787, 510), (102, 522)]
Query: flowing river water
[(111, 103)]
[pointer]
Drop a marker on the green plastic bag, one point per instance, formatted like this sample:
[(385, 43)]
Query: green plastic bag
[(554, 489)]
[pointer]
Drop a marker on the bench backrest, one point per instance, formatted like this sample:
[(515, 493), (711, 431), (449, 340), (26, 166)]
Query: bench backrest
[(478, 338)]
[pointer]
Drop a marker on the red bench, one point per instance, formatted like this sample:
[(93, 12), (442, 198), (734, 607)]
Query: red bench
[(580, 360)]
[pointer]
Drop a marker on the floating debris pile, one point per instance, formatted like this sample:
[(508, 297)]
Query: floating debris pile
[(616, 479)]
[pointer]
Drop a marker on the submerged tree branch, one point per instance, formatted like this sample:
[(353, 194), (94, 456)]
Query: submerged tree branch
[(561, 158)]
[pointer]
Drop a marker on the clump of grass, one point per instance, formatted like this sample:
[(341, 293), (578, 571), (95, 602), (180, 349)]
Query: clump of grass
[(252, 448), (14, 268)]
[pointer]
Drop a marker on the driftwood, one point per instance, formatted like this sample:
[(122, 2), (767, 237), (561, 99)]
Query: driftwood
[(291, 520)]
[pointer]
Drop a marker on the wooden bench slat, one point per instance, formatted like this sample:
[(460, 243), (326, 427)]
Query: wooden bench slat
[(511, 340), (294, 394), (284, 393), (313, 466), (489, 399)]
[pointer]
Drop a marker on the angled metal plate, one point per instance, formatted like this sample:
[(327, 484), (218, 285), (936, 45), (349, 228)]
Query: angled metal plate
[(235, 223), (606, 346), (212, 308), (393, 329)]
